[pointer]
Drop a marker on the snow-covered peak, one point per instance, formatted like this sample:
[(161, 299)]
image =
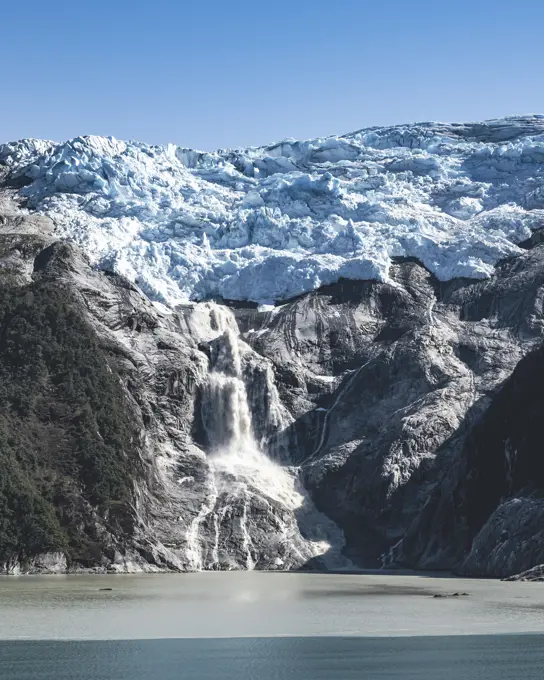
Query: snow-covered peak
[(268, 223)]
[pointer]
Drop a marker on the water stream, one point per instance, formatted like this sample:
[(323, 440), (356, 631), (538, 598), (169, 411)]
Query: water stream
[(257, 514)]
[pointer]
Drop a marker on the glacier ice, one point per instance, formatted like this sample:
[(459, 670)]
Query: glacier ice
[(265, 224)]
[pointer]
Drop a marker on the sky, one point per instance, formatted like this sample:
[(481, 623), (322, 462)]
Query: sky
[(213, 74)]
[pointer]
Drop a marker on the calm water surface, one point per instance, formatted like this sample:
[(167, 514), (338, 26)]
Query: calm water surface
[(492, 657), (255, 626)]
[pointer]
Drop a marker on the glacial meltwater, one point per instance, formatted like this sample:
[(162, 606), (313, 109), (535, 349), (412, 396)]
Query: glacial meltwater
[(255, 512), (269, 626)]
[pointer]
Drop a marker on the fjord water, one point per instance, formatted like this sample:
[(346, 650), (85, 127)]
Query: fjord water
[(500, 657), (264, 626)]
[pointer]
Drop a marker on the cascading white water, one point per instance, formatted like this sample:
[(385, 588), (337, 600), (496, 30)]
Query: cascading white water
[(249, 517), (226, 415)]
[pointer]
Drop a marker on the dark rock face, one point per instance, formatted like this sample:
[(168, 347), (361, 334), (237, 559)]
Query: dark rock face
[(393, 422), (491, 506)]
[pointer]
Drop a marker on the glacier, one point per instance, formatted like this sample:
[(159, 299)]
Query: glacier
[(265, 224)]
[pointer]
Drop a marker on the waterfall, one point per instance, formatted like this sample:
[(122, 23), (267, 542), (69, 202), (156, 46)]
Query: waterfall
[(249, 518), (226, 414), (228, 423)]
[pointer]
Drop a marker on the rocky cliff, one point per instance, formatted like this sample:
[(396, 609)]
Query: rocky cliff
[(391, 420)]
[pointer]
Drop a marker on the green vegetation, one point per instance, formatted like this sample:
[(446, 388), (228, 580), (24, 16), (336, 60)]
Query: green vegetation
[(68, 456)]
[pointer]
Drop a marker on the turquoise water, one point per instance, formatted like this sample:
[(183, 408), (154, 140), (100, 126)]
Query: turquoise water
[(490, 657)]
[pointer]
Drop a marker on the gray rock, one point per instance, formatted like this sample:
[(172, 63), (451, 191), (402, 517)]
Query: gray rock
[(46, 563), (534, 574), (512, 538)]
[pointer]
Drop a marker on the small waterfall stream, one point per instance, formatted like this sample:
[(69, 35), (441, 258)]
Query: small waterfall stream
[(250, 518)]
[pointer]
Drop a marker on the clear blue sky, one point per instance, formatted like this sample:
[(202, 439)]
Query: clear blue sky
[(217, 73)]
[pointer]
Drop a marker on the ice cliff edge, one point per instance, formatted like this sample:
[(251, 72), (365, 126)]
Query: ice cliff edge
[(266, 224)]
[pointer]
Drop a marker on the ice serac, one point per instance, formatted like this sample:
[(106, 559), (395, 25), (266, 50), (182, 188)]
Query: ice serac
[(268, 223)]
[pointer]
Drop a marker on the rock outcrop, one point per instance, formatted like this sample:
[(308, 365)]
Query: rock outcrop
[(534, 574)]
